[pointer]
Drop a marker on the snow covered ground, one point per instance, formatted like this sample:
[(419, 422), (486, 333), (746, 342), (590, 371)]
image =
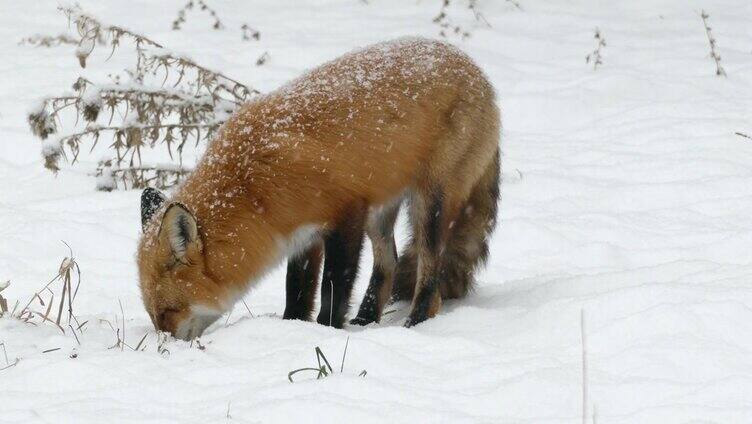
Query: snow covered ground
[(626, 194)]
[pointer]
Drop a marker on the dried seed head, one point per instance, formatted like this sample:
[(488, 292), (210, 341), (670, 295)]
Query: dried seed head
[(51, 152), (91, 112), (133, 137), (80, 84), (82, 54), (92, 104), (42, 123), (65, 266)]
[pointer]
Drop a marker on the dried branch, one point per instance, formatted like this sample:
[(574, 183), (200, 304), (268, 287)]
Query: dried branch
[(262, 59), (473, 6), (248, 33), (187, 103), (446, 26), (713, 47), (39, 40), (90, 29), (515, 3), (65, 284), (180, 19), (213, 82), (138, 177), (8, 363), (595, 57), (3, 301)]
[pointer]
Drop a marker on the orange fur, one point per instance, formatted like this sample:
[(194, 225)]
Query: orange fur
[(397, 117)]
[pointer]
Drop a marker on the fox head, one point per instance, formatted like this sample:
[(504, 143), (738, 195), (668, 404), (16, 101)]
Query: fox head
[(178, 290)]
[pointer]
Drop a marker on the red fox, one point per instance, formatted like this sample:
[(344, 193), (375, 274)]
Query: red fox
[(305, 171)]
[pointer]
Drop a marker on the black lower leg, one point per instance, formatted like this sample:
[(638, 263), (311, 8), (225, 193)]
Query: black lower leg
[(302, 280), (370, 307), (342, 254), (425, 301)]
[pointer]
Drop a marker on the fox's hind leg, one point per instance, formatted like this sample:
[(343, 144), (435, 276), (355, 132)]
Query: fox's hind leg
[(405, 275), (433, 213), (380, 229), (302, 281)]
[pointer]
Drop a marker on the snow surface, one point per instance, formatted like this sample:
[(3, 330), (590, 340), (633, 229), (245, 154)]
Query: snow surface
[(626, 193)]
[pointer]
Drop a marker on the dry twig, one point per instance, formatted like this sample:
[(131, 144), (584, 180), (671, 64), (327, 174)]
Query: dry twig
[(595, 57), (180, 19), (324, 368), (262, 59), (68, 272), (248, 33), (8, 363), (584, 367), (713, 46), (39, 40), (3, 301), (446, 25)]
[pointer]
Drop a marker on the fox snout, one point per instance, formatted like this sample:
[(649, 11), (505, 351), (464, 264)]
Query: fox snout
[(195, 325), (188, 324)]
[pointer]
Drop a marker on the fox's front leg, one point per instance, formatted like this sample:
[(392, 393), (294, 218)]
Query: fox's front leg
[(342, 247), (302, 281)]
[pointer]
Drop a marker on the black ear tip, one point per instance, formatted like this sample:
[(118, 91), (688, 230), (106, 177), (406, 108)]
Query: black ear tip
[(150, 192), (151, 200)]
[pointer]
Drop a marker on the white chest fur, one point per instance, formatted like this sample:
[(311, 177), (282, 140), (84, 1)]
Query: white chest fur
[(299, 240)]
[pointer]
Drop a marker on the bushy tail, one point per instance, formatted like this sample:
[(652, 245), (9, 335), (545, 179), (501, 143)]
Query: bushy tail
[(468, 247)]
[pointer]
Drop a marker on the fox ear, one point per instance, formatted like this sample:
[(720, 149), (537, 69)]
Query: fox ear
[(180, 230), (151, 200)]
